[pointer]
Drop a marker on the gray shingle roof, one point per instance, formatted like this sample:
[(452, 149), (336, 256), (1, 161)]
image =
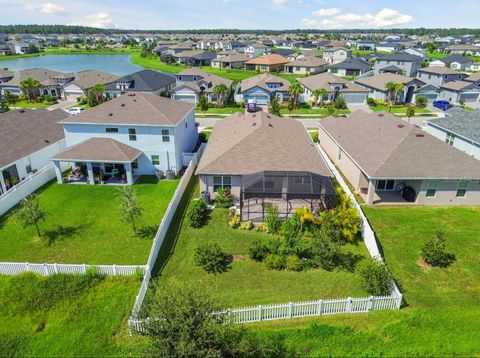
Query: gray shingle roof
[(352, 64), (405, 57), (379, 81), (145, 81), (439, 70), (262, 80), (385, 146), (256, 142), (327, 80), (308, 61), (456, 58), (460, 122)]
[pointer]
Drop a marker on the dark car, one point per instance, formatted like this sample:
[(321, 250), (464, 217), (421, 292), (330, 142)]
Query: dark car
[(443, 105)]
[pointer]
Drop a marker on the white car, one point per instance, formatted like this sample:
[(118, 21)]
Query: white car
[(75, 110)]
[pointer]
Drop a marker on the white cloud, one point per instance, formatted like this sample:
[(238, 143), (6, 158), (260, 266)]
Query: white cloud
[(279, 2), (47, 8), (327, 12), (333, 19), (101, 20)]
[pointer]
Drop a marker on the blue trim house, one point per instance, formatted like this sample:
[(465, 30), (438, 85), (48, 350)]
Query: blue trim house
[(262, 88)]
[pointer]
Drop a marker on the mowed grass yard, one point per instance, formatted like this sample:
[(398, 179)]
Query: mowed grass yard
[(83, 225), (442, 305), (248, 282), (67, 316)]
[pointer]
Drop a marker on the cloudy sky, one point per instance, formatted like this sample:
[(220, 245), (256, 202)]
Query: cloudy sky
[(243, 14)]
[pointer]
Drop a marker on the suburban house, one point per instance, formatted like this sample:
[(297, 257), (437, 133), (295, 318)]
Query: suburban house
[(437, 76), (192, 82), (415, 51), (336, 54), (267, 63), (334, 85), (51, 81), (457, 91), (83, 81), (366, 45), (262, 88), (144, 81), (474, 67), (457, 62), (389, 46), (265, 159), (194, 58), (285, 52), (387, 161), (230, 61), (28, 138), (129, 136), (176, 48), (350, 67), (5, 76), (474, 78), (377, 86), (400, 63), (471, 50), (308, 65), (256, 49), (459, 128)]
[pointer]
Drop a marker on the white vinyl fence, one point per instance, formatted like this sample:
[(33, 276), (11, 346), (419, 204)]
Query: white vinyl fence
[(46, 269), (163, 228), (27, 186)]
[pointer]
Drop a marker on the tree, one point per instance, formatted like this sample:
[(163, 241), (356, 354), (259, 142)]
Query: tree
[(434, 251), (318, 95), (274, 107), (421, 101), (390, 87), (96, 95), (30, 213), (397, 89), (4, 106), (212, 259), (198, 214), (202, 103), (221, 91), (183, 323), (375, 276), (10, 98), (130, 208), (31, 87), (410, 112), (295, 90)]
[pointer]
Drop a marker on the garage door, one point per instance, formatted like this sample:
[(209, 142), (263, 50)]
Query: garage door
[(469, 97), (185, 98), (261, 99), (73, 95), (354, 97)]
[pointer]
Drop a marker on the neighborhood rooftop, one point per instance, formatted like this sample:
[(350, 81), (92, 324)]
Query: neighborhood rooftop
[(379, 81), (145, 81), (262, 80), (327, 80), (462, 123)]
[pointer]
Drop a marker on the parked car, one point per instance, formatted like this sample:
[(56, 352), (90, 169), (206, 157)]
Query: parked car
[(75, 110), (251, 105), (443, 105)]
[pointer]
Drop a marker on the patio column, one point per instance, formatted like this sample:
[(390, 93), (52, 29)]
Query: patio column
[(91, 178), (2, 183), (128, 170), (371, 192), (58, 171)]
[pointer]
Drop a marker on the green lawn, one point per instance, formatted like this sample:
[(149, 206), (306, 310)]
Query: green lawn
[(83, 226), (248, 282), (441, 316), (321, 111), (154, 63), (397, 109), (27, 104), (67, 316), (224, 110)]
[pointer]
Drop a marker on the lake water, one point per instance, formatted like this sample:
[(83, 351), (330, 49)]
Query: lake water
[(119, 65)]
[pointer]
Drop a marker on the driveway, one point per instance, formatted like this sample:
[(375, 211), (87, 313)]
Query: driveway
[(62, 105), (359, 106)]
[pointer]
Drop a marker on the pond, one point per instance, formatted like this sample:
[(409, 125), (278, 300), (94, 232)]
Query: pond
[(119, 65)]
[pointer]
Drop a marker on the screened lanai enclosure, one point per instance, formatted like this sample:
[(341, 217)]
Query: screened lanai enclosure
[(286, 190)]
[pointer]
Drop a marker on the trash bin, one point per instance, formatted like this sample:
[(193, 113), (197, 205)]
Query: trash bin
[(170, 175), (205, 196)]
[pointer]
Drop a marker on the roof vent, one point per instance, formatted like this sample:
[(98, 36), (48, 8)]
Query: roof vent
[(110, 114), (270, 125), (22, 111), (380, 114), (131, 94), (419, 135), (122, 105), (135, 100), (254, 124), (400, 126), (46, 141)]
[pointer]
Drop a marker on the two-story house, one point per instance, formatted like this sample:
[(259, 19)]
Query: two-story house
[(336, 54), (129, 136), (256, 49), (144, 81), (400, 63)]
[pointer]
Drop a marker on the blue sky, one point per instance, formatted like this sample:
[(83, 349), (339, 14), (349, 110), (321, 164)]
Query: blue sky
[(243, 14)]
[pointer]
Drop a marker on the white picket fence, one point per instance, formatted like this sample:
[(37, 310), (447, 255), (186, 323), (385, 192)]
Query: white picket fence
[(27, 186), (163, 228), (46, 269)]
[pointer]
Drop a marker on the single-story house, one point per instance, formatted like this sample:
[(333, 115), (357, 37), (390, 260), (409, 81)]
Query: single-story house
[(194, 58), (459, 128), (415, 51), (350, 67), (335, 86), (456, 91), (463, 50), (267, 63), (386, 159), (84, 81), (389, 46), (51, 81), (262, 88), (336, 54), (143, 81), (474, 67), (236, 60), (366, 45), (28, 138), (193, 81), (474, 78), (400, 63), (308, 65), (457, 62), (265, 159)]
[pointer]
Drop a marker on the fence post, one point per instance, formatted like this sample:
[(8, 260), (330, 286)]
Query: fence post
[(349, 304), (45, 269), (84, 268), (55, 267), (319, 307), (114, 270), (370, 303), (260, 313), (27, 267), (290, 309), (399, 300)]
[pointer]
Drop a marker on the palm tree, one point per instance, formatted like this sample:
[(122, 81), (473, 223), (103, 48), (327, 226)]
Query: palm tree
[(319, 94), (31, 87), (96, 95), (295, 89), (398, 88), (220, 90), (390, 86)]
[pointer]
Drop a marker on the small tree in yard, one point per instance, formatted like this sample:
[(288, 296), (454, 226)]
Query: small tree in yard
[(223, 198), (375, 276), (96, 95), (272, 220), (198, 214), (4, 106), (274, 107), (10, 98), (340, 103), (202, 104), (130, 207), (212, 259), (433, 251), (421, 101), (30, 213), (410, 112)]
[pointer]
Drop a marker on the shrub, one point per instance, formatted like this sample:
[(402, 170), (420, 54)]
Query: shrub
[(247, 225), (421, 101), (314, 136), (326, 253), (375, 276), (275, 262), (258, 251), (223, 198), (212, 259), (234, 222), (262, 227), (340, 103), (293, 263), (198, 214), (433, 251), (371, 102), (272, 220)]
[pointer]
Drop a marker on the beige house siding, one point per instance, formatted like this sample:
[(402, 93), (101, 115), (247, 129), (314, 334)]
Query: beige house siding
[(206, 184), (446, 194)]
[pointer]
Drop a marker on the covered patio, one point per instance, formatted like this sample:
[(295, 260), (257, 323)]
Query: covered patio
[(98, 161)]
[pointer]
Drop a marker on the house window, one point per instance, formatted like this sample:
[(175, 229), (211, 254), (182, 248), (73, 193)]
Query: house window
[(462, 188), (132, 134), (432, 188), (28, 168), (155, 159), (222, 182), (450, 138), (385, 185), (135, 164), (165, 135), (111, 130)]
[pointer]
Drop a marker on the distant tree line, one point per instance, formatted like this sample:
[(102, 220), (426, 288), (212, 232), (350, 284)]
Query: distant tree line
[(68, 29)]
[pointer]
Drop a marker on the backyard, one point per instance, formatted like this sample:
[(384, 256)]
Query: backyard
[(83, 225)]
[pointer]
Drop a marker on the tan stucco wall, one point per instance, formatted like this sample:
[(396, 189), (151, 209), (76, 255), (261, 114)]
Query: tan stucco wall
[(446, 194), (206, 184)]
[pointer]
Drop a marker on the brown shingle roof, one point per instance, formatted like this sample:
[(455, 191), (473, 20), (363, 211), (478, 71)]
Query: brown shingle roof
[(99, 150), (456, 85), (213, 80), (26, 131), (138, 109), (256, 142), (88, 79), (40, 74), (380, 81), (385, 146), (308, 61), (474, 77), (439, 70), (326, 80), (262, 80), (238, 57), (272, 59)]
